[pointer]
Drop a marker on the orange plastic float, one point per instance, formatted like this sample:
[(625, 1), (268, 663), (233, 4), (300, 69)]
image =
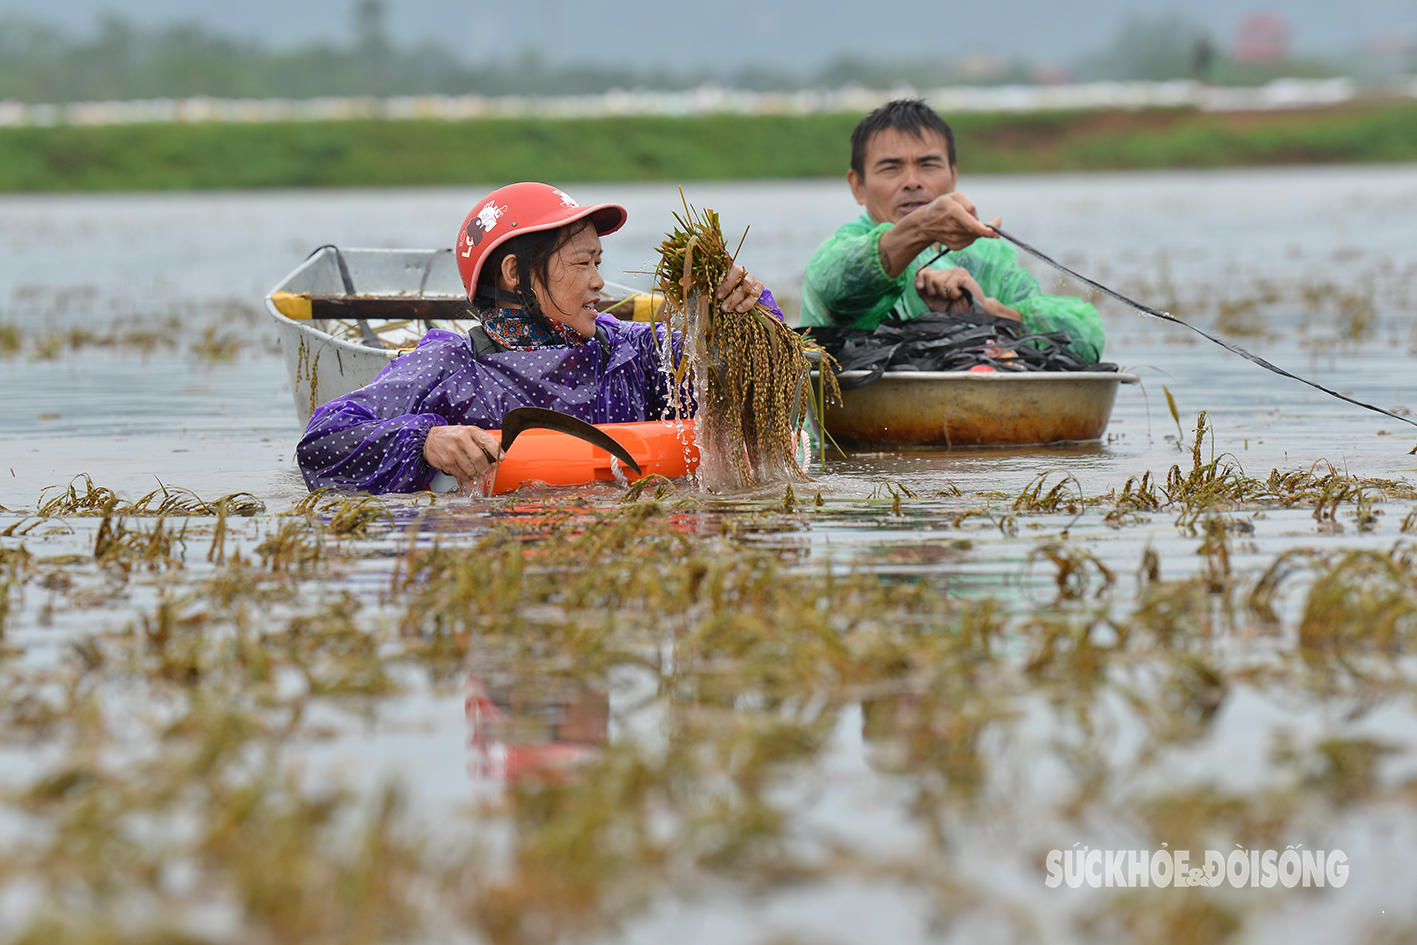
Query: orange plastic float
[(558, 459)]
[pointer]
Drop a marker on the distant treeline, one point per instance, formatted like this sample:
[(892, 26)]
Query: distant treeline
[(40, 62), (390, 153)]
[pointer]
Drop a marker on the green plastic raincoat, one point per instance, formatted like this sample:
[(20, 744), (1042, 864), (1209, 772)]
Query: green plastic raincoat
[(847, 287)]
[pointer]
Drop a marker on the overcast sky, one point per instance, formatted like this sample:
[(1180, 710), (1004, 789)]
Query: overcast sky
[(800, 33)]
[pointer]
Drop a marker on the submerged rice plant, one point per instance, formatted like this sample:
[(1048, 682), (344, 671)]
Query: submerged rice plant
[(722, 680), (101, 501)]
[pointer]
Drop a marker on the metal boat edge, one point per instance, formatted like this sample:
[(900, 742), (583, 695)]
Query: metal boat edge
[(952, 409)]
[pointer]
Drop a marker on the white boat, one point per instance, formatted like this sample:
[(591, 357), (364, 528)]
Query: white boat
[(342, 315)]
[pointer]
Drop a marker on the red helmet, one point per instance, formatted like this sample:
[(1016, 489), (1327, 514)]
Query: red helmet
[(522, 208)]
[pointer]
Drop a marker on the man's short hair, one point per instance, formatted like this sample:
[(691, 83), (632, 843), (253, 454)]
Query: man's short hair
[(904, 114)]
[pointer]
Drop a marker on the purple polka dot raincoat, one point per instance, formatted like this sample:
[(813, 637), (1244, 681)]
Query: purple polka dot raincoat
[(372, 439)]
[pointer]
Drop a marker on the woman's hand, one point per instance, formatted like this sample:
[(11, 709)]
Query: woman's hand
[(463, 452), (738, 292)]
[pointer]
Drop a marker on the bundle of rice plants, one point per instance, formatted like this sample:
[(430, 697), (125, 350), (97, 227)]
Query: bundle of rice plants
[(750, 371)]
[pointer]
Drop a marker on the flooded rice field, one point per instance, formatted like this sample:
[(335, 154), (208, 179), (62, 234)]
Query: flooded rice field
[(1158, 688)]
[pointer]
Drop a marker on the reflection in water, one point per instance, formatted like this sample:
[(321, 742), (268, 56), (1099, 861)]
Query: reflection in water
[(517, 730), (913, 731)]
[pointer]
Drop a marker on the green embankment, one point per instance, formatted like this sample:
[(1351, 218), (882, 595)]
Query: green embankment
[(383, 153)]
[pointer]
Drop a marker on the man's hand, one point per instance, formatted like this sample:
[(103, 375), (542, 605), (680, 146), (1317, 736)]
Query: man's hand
[(947, 290), (463, 452), (950, 290), (950, 219)]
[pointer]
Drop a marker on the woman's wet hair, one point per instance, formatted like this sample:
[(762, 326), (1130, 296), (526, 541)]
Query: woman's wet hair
[(534, 252), (903, 114)]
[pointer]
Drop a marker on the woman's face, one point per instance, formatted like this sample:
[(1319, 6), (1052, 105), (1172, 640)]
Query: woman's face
[(573, 282)]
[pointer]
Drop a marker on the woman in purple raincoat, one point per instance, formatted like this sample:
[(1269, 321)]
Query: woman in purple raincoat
[(529, 257)]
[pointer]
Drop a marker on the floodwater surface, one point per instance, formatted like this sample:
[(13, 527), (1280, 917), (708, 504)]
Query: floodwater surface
[(889, 704)]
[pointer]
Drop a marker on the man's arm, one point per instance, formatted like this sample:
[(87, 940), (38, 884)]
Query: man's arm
[(846, 283), (950, 219)]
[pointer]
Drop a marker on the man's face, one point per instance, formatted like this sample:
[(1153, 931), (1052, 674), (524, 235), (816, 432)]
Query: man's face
[(903, 172)]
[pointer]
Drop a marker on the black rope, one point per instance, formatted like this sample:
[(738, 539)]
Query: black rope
[(1167, 316)]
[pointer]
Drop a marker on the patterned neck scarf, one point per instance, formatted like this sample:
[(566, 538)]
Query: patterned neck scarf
[(514, 330)]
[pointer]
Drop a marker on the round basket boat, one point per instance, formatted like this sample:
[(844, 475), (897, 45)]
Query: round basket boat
[(948, 409)]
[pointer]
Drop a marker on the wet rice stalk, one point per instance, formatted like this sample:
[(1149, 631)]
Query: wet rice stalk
[(749, 370)]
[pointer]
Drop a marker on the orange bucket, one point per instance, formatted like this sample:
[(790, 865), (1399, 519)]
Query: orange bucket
[(559, 459)]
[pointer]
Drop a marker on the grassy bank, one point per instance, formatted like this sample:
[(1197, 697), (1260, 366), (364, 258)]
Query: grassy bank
[(378, 153)]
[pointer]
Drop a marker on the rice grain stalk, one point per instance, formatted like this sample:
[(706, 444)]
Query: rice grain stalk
[(750, 371)]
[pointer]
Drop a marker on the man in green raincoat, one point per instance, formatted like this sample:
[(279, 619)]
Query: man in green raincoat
[(879, 265)]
